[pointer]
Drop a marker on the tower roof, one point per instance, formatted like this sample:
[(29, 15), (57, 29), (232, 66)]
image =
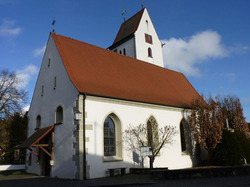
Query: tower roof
[(100, 72), (128, 27)]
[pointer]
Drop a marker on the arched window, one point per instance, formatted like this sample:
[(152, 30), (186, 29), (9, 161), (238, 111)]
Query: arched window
[(38, 122), (183, 141), (112, 137), (185, 133), (124, 51), (109, 137), (152, 133), (59, 115), (150, 52)]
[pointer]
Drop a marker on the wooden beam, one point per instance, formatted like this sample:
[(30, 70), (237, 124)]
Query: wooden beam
[(41, 137), (52, 147), (40, 145), (33, 152), (46, 152)]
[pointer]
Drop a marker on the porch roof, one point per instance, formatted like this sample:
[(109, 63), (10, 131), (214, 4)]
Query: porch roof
[(35, 138)]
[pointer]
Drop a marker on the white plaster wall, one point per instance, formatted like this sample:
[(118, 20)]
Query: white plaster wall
[(129, 46), (142, 46), (64, 95), (97, 109), (12, 167)]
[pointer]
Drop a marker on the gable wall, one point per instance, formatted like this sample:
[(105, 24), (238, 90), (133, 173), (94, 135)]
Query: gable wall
[(129, 46), (142, 46), (97, 109), (64, 95)]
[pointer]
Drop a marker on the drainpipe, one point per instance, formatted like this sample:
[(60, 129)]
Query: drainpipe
[(84, 139)]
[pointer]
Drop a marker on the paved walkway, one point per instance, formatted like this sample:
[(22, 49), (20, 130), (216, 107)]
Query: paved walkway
[(19, 179)]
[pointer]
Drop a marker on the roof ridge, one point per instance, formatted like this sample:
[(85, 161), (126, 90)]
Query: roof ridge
[(123, 56), (142, 10)]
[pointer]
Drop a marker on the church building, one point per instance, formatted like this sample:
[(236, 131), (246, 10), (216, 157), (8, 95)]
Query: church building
[(86, 97)]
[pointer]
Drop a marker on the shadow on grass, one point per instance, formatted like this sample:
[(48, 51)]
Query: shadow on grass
[(12, 172)]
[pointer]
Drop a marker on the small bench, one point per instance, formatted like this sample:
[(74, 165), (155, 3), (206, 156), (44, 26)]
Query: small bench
[(112, 171)]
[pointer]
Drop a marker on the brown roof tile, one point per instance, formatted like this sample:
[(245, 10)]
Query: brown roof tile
[(97, 71), (36, 137), (129, 27)]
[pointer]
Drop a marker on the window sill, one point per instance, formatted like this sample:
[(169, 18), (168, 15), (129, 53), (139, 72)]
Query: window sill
[(112, 159), (185, 153), (59, 123)]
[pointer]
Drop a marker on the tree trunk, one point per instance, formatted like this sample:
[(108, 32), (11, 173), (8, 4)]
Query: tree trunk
[(198, 154), (151, 162)]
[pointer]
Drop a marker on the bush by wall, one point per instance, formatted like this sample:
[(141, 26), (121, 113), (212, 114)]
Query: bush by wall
[(233, 150)]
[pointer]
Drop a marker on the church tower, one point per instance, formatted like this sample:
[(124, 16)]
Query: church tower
[(138, 39)]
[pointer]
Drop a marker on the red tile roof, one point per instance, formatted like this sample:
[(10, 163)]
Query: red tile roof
[(129, 27), (97, 71)]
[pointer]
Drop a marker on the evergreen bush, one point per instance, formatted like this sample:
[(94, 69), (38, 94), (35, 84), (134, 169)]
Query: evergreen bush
[(232, 150)]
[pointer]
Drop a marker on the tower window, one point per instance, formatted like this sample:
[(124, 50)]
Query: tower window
[(150, 52), (120, 52), (124, 51), (49, 62)]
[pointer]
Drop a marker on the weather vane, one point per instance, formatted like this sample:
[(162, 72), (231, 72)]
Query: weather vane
[(124, 12), (142, 4), (53, 23)]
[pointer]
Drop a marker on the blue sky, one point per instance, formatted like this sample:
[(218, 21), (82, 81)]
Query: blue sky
[(208, 41)]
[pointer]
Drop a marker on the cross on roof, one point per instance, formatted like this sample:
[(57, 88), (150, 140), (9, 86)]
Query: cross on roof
[(124, 12), (53, 23)]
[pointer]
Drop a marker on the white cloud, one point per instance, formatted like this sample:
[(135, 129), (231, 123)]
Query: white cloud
[(25, 75), (8, 28), (184, 54), (25, 109), (39, 52)]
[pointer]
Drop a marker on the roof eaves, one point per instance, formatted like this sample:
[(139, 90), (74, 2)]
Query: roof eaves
[(137, 101), (121, 41)]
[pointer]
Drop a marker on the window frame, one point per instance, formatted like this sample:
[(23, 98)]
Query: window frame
[(150, 54), (57, 113), (185, 138), (109, 137), (153, 132), (38, 122), (118, 156)]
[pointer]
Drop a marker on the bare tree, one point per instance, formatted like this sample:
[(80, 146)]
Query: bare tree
[(12, 97), (149, 135)]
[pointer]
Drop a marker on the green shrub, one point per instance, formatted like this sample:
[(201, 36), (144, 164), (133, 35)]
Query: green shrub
[(232, 150)]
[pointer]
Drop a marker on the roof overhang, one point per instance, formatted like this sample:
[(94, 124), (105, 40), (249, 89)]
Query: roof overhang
[(34, 141), (121, 41)]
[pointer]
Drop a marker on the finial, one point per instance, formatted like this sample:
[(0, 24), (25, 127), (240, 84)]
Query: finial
[(124, 12), (53, 23), (142, 6)]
